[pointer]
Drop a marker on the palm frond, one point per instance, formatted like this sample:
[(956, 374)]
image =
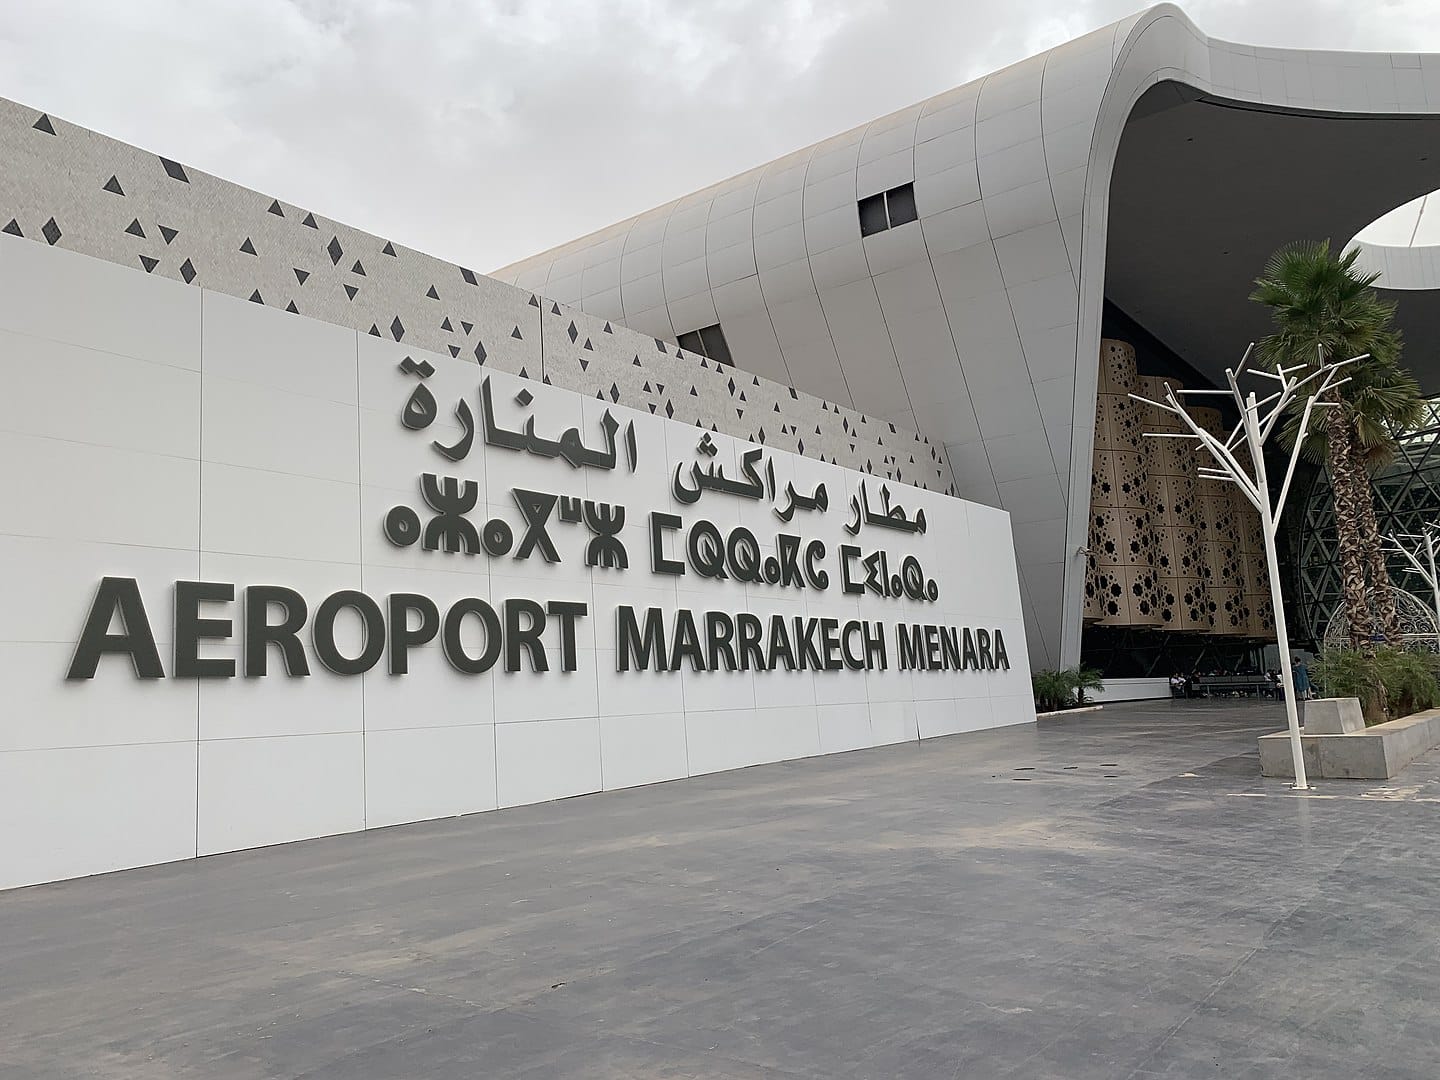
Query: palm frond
[(1323, 308)]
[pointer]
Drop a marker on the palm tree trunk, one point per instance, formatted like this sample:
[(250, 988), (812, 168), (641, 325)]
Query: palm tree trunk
[(1386, 616), (1350, 553)]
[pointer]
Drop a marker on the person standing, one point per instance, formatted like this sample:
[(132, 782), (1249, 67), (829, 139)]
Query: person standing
[(1301, 674)]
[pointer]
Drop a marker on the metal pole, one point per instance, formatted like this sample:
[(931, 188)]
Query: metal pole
[(1434, 583), (1272, 562), (1292, 709)]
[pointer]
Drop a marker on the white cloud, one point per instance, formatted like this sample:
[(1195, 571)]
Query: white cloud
[(486, 131)]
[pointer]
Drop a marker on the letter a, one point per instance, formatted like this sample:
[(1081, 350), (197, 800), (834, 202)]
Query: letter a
[(135, 641)]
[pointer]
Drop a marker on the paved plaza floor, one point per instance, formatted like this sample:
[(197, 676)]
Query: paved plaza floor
[(1115, 895)]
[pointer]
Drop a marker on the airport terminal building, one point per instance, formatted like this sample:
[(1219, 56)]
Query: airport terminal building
[(306, 532), (955, 266)]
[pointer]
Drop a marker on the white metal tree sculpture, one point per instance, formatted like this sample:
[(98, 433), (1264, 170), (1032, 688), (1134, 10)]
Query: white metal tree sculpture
[(1258, 419), (1411, 546)]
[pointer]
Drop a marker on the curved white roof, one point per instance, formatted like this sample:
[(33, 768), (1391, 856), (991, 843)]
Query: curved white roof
[(979, 325), (1403, 246)]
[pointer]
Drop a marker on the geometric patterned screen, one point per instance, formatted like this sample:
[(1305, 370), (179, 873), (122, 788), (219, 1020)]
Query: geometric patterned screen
[(1406, 496), (66, 187), (1167, 550)]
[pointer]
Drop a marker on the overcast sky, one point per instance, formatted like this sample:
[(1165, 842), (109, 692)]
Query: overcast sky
[(483, 132)]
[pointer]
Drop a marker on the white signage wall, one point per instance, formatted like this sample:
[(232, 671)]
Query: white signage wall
[(266, 579)]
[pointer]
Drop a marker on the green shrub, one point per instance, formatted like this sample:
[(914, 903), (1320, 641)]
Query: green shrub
[(1052, 690), (1347, 673), (1083, 678), (1391, 684), (1409, 681)]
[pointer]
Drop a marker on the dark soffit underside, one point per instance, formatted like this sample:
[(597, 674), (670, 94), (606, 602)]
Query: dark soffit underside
[(1205, 189)]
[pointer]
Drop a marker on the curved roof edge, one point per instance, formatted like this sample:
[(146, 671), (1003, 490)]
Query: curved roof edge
[(1403, 246), (980, 324)]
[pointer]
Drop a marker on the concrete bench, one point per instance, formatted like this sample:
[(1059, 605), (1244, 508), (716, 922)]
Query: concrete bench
[(1335, 748)]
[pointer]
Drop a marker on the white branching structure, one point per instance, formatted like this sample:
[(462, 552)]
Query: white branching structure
[(1412, 547), (1258, 419)]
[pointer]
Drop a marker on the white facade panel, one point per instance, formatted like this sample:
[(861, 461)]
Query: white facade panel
[(319, 685)]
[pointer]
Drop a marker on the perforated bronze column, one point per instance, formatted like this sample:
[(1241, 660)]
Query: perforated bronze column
[(1175, 510), (1167, 549), (1122, 588), (1223, 569), (1260, 612)]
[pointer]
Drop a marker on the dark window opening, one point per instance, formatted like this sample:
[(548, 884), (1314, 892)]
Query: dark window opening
[(872, 215), (709, 342), (715, 346), (888, 209), (901, 201)]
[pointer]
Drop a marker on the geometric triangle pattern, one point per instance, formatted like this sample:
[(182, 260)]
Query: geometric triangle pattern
[(220, 236)]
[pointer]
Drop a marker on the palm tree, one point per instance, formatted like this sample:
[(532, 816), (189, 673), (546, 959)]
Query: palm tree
[(1324, 309), (1384, 400), (1051, 689), (1083, 678)]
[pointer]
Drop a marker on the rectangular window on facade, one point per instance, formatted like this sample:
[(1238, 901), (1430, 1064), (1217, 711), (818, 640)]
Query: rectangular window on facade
[(714, 341), (872, 215), (708, 341), (888, 209), (901, 203)]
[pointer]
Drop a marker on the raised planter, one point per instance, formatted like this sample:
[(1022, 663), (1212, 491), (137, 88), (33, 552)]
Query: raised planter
[(1068, 712), (1337, 746)]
